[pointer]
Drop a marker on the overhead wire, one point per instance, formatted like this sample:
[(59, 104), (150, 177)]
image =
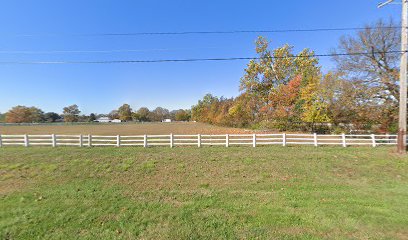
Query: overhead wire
[(198, 59)]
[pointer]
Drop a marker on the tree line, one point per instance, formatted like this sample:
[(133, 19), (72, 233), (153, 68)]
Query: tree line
[(287, 91), (72, 113)]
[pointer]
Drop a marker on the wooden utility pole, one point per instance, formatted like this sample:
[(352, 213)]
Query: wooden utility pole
[(402, 129), (402, 124)]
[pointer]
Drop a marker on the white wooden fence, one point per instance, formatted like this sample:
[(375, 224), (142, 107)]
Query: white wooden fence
[(198, 140)]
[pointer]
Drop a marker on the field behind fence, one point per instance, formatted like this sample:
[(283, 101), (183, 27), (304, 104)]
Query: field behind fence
[(198, 140)]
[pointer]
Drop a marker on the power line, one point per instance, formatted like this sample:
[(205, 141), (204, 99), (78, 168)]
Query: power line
[(124, 34), (197, 59)]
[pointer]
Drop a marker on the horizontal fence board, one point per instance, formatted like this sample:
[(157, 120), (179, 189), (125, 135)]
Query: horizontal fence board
[(11, 144), (305, 139), (186, 139), (240, 143), (158, 140), (185, 135), (269, 143), (104, 144), (219, 135), (13, 140), (303, 143), (63, 136), (103, 140), (141, 136)]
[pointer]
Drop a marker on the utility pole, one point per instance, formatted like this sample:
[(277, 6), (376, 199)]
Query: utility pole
[(402, 124)]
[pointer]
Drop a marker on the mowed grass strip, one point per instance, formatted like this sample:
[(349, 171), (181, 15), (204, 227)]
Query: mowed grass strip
[(203, 193)]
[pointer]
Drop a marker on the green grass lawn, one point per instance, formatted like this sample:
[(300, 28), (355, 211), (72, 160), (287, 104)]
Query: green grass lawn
[(207, 193)]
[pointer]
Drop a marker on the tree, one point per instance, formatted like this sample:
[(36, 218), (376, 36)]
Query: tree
[(125, 112), (278, 71), (2, 117), (275, 68), (51, 117), (283, 110), (92, 117), (159, 114), (182, 115), (143, 114), (377, 69), (71, 113), (241, 113), (314, 106), (114, 114), (23, 114), (373, 76), (201, 112), (36, 115)]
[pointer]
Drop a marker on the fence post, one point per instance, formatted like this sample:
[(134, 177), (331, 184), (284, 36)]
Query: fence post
[(54, 142), (118, 141), (81, 140), (145, 141), (1, 141), (387, 136), (343, 137), (315, 139), (171, 140), (284, 139), (226, 140), (89, 140), (199, 140), (26, 141), (373, 140), (254, 140)]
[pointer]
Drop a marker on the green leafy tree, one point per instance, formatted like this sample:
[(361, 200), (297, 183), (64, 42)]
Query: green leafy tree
[(125, 112), (71, 113), (51, 117), (92, 117), (182, 115), (143, 114)]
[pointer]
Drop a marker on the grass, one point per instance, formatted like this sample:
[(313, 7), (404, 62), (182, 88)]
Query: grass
[(122, 129), (206, 193)]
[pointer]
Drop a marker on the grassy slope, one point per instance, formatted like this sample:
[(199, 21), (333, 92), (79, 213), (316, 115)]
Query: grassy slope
[(207, 193)]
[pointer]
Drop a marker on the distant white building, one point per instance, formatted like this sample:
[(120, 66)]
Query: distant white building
[(167, 120), (107, 120), (103, 120)]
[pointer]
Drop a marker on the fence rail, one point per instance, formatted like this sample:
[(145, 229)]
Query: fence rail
[(198, 140)]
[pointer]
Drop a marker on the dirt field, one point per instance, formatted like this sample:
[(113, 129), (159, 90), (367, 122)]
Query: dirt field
[(122, 129)]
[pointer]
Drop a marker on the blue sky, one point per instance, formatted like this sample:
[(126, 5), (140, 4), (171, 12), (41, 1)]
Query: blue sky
[(101, 88)]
